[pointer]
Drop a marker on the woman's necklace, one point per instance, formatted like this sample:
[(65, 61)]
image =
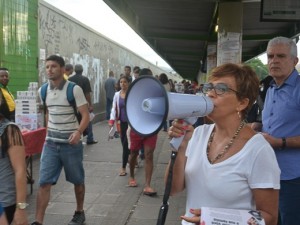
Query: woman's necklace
[(225, 150)]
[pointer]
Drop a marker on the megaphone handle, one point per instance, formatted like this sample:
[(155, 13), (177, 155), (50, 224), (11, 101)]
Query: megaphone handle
[(175, 142)]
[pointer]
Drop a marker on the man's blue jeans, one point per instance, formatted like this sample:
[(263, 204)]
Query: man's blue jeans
[(90, 135), (289, 202), (108, 107)]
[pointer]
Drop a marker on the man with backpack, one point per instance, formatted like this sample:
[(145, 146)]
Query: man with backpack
[(63, 147)]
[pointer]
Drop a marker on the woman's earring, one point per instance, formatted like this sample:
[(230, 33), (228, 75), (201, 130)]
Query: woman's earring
[(239, 115)]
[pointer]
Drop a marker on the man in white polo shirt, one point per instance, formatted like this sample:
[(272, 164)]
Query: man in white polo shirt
[(63, 147)]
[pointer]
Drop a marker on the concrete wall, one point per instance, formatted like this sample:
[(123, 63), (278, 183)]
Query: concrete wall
[(78, 44)]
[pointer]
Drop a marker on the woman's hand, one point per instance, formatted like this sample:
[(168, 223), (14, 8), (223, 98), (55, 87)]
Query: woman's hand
[(256, 126), (252, 221), (179, 128), (111, 123), (195, 219)]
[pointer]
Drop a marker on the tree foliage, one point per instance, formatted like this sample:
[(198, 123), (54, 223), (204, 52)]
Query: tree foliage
[(260, 69)]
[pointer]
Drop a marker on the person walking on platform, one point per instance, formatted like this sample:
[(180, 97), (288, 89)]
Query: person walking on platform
[(135, 75), (63, 147), (163, 78), (118, 115), (148, 143), (127, 72), (8, 98), (68, 71), (110, 89), (85, 85), (136, 72)]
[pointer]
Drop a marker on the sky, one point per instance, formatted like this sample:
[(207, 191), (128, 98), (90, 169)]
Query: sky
[(97, 15)]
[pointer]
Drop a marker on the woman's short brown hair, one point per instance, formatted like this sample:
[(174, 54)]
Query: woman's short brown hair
[(247, 83)]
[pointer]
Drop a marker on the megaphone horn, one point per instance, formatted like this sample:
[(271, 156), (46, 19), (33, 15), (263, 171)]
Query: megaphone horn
[(148, 105)]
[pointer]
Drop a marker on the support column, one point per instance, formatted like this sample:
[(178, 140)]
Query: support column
[(230, 23), (211, 56)]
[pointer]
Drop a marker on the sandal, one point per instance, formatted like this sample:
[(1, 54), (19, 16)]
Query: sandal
[(122, 173), (149, 191), (132, 183)]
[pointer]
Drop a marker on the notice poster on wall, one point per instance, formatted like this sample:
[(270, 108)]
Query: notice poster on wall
[(229, 48), (42, 54), (221, 216)]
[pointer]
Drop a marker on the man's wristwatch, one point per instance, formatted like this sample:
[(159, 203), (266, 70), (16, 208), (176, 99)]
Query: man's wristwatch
[(283, 145), (22, 205)]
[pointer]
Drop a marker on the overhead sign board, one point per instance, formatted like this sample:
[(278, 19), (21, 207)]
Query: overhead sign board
[(280, 10)]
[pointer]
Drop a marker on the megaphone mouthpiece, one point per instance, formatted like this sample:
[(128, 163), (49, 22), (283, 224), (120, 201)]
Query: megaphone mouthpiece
[(153, 105)]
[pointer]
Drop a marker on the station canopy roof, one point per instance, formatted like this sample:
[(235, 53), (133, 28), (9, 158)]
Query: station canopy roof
[(180, 30)]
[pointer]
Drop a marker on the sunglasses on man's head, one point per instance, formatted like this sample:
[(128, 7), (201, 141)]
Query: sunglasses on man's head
[(219, 88)]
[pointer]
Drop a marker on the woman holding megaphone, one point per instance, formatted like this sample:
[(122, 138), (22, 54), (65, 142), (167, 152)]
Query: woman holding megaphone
[(226, 164)]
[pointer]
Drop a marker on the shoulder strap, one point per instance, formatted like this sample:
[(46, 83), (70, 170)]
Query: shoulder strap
[(44, 89), (70, 94), (71, 99)]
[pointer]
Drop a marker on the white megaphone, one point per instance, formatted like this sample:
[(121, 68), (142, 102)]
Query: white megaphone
[(148, 105)]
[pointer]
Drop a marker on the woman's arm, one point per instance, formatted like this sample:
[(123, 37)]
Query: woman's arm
[(178, 180), (290, 142), (16, 153), (3, 220), (17, 158), (113, 113), (267, 203)]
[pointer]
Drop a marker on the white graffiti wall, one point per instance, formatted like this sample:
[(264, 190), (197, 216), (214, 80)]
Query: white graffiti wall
[(78, 44)]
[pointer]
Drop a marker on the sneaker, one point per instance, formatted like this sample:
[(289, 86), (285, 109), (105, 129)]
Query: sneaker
[(78, 218), (116, 135), (91, 142), (36, 223)]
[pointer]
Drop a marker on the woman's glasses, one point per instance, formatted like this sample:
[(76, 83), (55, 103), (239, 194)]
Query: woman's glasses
[(219, 88)]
